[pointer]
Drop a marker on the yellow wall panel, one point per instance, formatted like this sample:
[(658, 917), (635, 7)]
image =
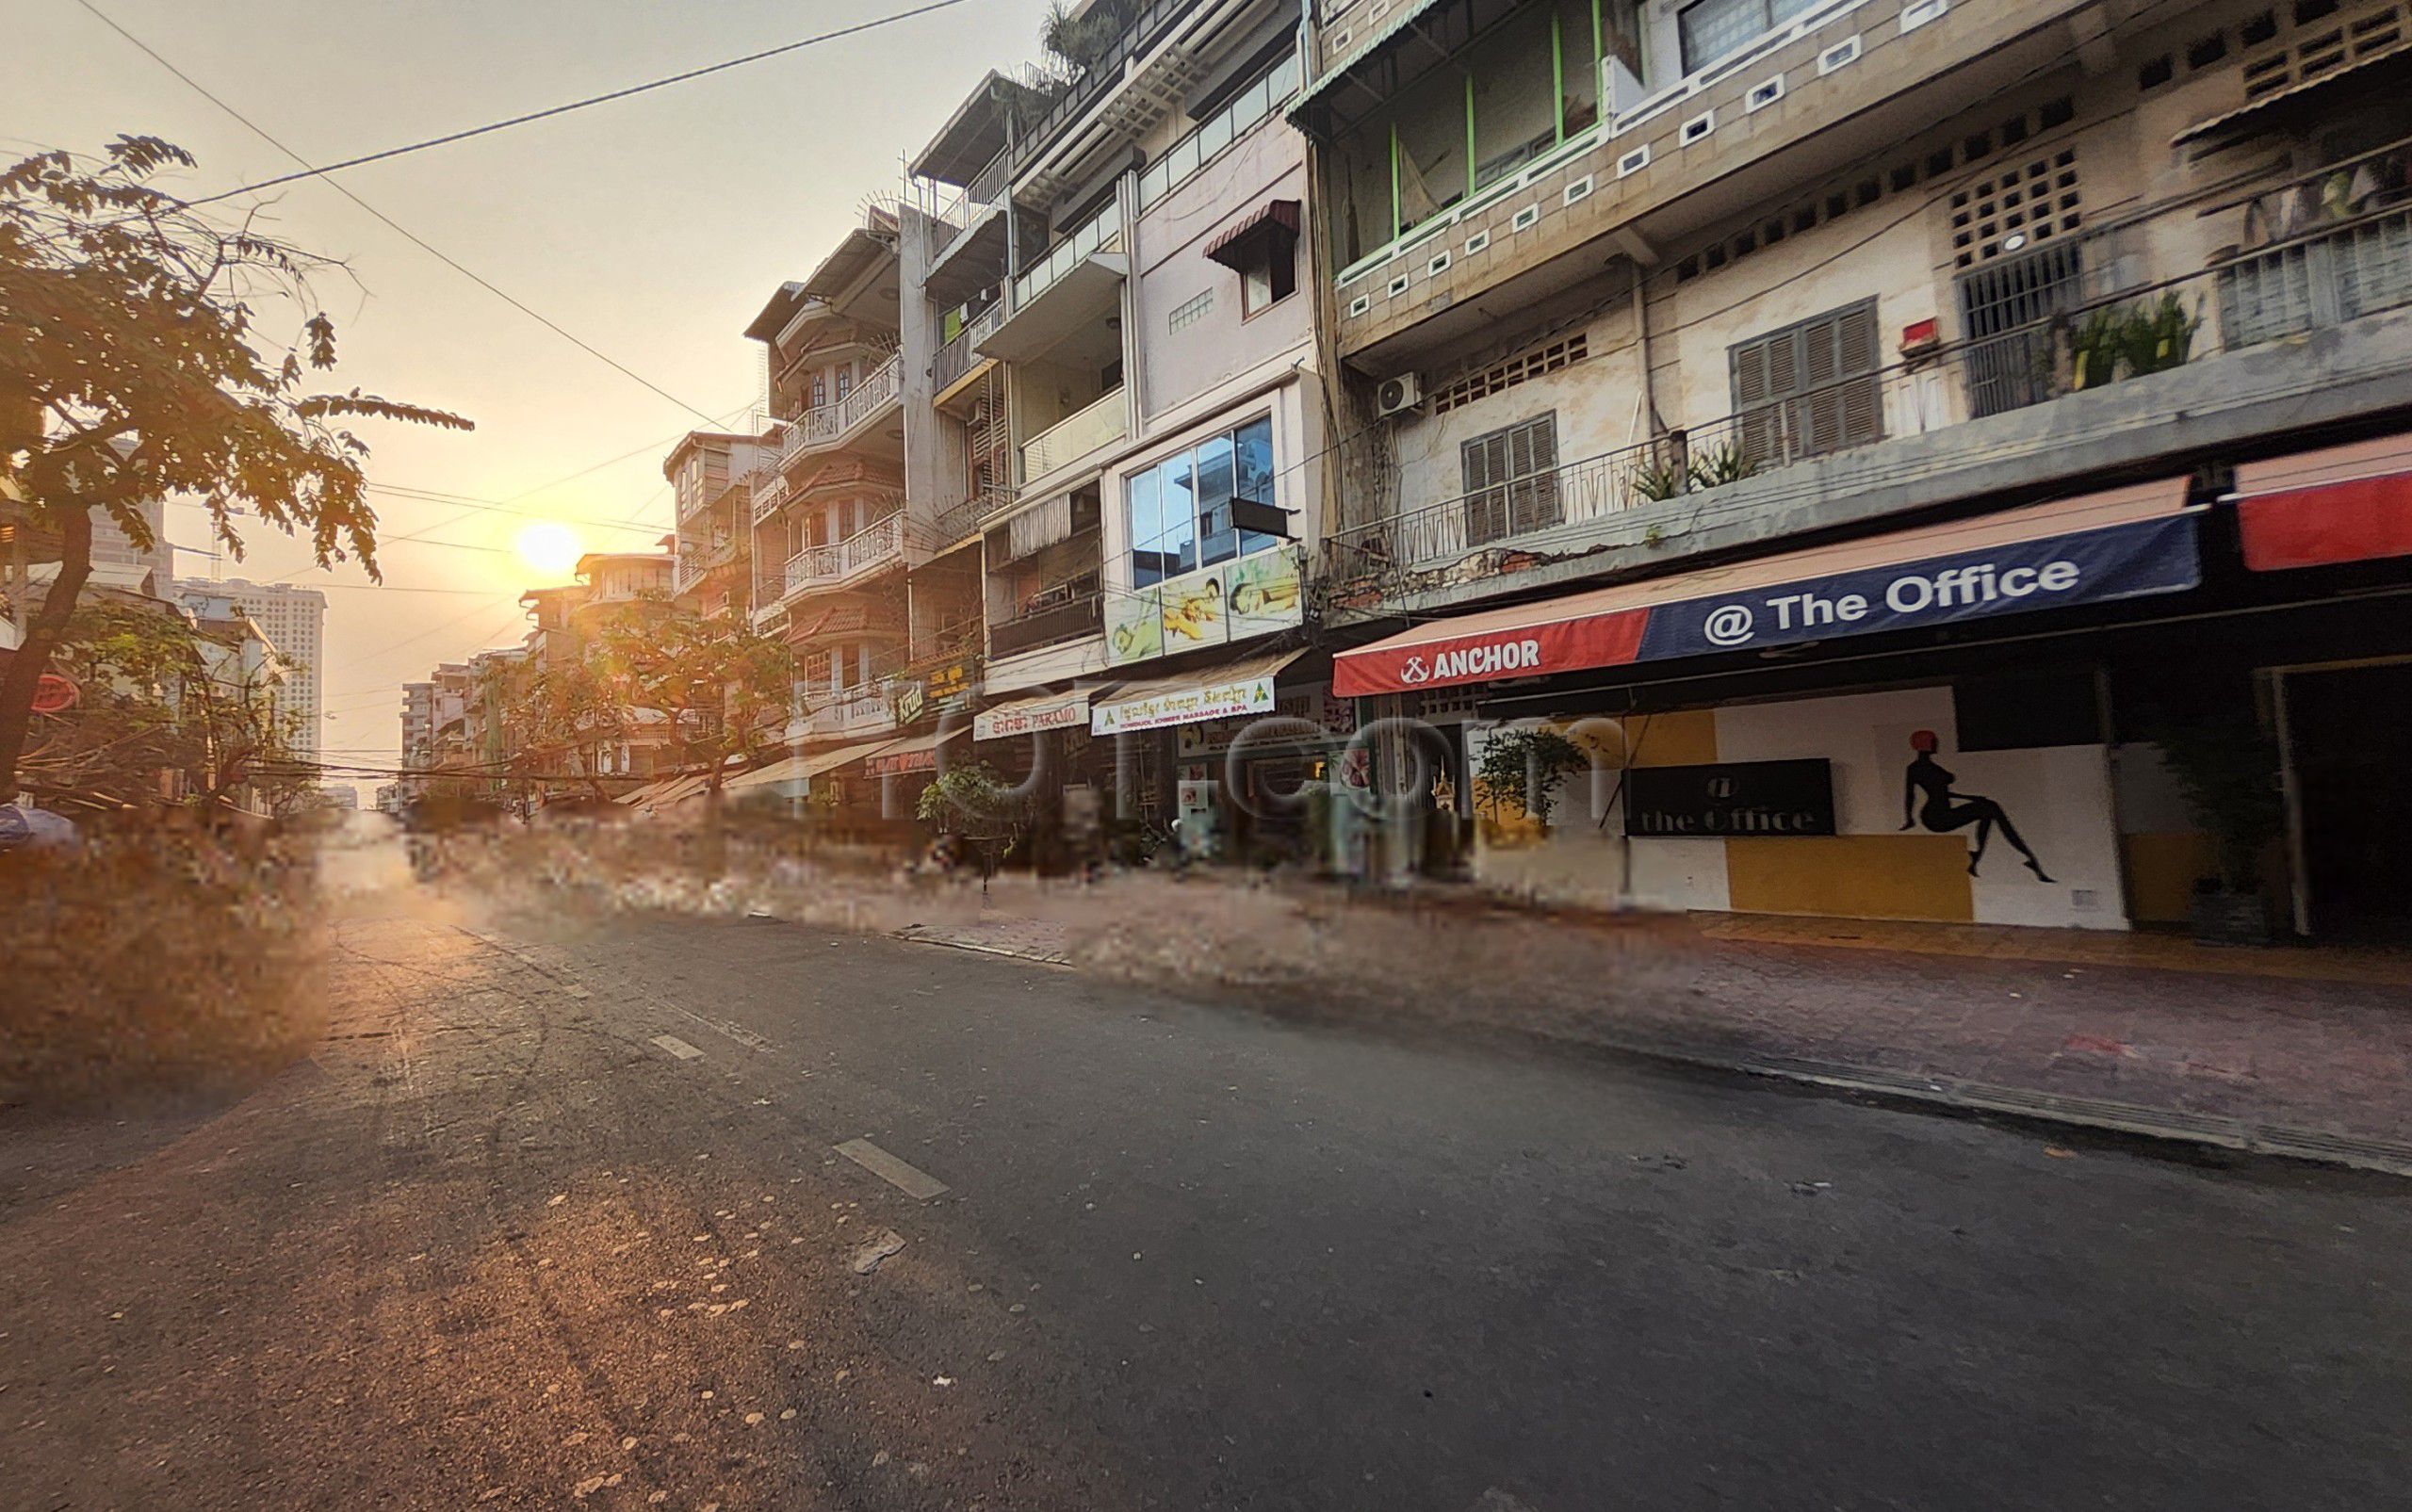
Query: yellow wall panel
[(1861, 876), (2161, 871)]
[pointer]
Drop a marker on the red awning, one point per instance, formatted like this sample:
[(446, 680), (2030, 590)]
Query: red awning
[(2141, 542), (1272, 218), (2342, 504)]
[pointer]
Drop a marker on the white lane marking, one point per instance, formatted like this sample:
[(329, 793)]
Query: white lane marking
[(678, 1046), (911, 1181), (1496, 1499), (736, 1032)]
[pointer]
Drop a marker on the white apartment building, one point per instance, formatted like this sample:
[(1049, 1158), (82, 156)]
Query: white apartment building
[(294, 620)]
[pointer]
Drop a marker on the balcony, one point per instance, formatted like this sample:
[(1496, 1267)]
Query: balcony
[(865, 553), (863, 710), (770, 488), (831, 425), (1075, 436), (968, 235), (1068, 293), (958, 357), (2165, 371), (1074, 619), (1660, 166)]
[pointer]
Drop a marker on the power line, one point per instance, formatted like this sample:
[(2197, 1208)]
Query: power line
[(412, 237), (665, 82)]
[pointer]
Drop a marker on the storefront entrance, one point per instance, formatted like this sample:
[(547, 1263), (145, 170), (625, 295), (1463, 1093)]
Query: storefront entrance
[(2350, 748)]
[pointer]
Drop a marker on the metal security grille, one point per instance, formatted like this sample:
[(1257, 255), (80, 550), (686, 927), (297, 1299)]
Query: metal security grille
[(1808, 389), (1511, 480), (2004, 309), (2015, 209), (2319, 282)]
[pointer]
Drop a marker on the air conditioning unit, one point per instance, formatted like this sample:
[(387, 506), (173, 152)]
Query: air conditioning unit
[(1405, 391)]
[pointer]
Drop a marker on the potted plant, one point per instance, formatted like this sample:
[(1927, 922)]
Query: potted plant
[(971, 803), (1524, 768), (2226, 767)]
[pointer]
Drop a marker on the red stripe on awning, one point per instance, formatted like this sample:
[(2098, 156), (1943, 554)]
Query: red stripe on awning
[(2351, 503), (1272, 215), (2316, 527)]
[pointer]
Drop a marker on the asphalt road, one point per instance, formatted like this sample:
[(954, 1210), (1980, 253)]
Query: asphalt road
[(557, 1217)]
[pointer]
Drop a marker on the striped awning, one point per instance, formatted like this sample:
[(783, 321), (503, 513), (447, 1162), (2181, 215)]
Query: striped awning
[(1265, 220)]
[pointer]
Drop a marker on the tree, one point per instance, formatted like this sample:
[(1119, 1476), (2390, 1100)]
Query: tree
[(721, 686), (132, 368)]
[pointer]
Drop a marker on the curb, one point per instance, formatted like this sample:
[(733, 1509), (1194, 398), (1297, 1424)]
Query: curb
[(2290, 1142)]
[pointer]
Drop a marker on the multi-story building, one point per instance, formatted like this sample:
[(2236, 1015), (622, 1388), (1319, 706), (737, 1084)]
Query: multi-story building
[(118, 560), (711, 474), (419, 726), (295, 620), (1908, 441), (1126, 397)]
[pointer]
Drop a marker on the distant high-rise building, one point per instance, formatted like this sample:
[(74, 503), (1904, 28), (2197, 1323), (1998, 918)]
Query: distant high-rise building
[(294, 620)]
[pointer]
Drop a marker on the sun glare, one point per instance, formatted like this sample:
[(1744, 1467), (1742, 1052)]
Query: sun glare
[(550, 547)]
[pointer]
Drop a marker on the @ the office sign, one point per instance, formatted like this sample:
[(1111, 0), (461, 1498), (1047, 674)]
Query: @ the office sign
[(1727, 624)]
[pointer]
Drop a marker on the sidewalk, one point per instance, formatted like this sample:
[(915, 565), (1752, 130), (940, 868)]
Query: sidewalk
[(2296, 1052), (2290, 1050)]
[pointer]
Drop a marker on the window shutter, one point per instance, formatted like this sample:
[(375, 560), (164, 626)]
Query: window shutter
[(1860, 403), (1484, 463), (1533, 456), (1794, 391)]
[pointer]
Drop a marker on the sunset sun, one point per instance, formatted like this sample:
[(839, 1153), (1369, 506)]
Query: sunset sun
[(550, 547)]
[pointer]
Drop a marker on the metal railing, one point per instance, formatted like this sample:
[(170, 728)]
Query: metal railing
[(1101, 232), (956, 358), (770, 488), (2338, 272), (839, 561), (1076, 620), (826, 423), (953, 217), (1182, 161), (1100, 424), (1094, 80)]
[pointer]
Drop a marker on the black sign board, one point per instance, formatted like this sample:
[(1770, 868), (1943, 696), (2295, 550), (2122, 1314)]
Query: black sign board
[(1730, 798)]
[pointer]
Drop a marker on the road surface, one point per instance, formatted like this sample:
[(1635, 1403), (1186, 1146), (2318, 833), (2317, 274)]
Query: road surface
[(585, 1211)]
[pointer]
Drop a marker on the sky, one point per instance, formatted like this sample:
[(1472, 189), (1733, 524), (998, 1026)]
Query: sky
[(652, 228)]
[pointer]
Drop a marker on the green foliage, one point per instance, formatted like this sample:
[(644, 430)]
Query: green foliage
[(1721, 465), (722, 685), (2127, 341), (2226, 767), (971, 800), (1085, 39), (1660, 478), (133, 366), (1525, 767)]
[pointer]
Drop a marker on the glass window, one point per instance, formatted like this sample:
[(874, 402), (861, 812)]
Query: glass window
[(1515, 95), (1218, 539), (1180, 540), (1709, 29), (820, 389), (845, 383), (1146, 528), (1253, 495)]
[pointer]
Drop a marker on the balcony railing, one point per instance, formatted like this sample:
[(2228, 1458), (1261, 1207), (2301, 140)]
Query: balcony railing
[(956, 358), (770, 489), (1102, 232), (1077, 620), (1093, 81), (1074, 437), (854, 712), (842, 561), (2352, 267), (954, 216), (1218, 131), (828, 423)]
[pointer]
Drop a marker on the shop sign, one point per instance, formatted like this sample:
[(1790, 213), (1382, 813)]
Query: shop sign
[(1332, 718), (2155, 555), (1730, 798), (902, 763), (1071, 711), (950, 686), (1228, 601), (1233, 698), (910, 702)]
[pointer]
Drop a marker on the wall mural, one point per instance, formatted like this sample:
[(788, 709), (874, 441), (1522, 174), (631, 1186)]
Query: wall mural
[(1926, 798)]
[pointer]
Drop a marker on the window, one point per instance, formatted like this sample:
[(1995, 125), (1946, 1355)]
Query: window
[(1808, 389), (820, 390), (1511, 480), (1712, 29), (1268, 272), (1207, 505), (845, 382)]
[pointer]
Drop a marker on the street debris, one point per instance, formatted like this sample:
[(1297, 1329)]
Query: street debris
[(883, 1244)]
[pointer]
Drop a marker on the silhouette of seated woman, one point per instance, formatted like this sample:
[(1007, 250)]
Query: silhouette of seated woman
[(1926, 798)]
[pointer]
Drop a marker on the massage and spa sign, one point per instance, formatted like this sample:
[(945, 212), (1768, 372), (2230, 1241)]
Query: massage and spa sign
[(1228, 601), (1228, 699), (2151, 556)]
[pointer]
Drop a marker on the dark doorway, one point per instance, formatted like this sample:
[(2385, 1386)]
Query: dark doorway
[(2352, 747)]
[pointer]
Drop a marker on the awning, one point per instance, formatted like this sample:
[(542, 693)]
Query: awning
[(914, 753), (1272, 218), (2099, 547), (1377, 32), (2358, 70), (803, 768), (2342, 504), (1040, 712), (1223, 691), (670, 789)]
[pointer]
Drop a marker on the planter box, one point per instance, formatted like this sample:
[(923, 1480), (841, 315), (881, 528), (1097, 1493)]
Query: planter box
[(2231, 918)]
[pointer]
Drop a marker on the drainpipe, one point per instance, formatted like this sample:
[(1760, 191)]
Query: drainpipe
[(1641, 342)]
